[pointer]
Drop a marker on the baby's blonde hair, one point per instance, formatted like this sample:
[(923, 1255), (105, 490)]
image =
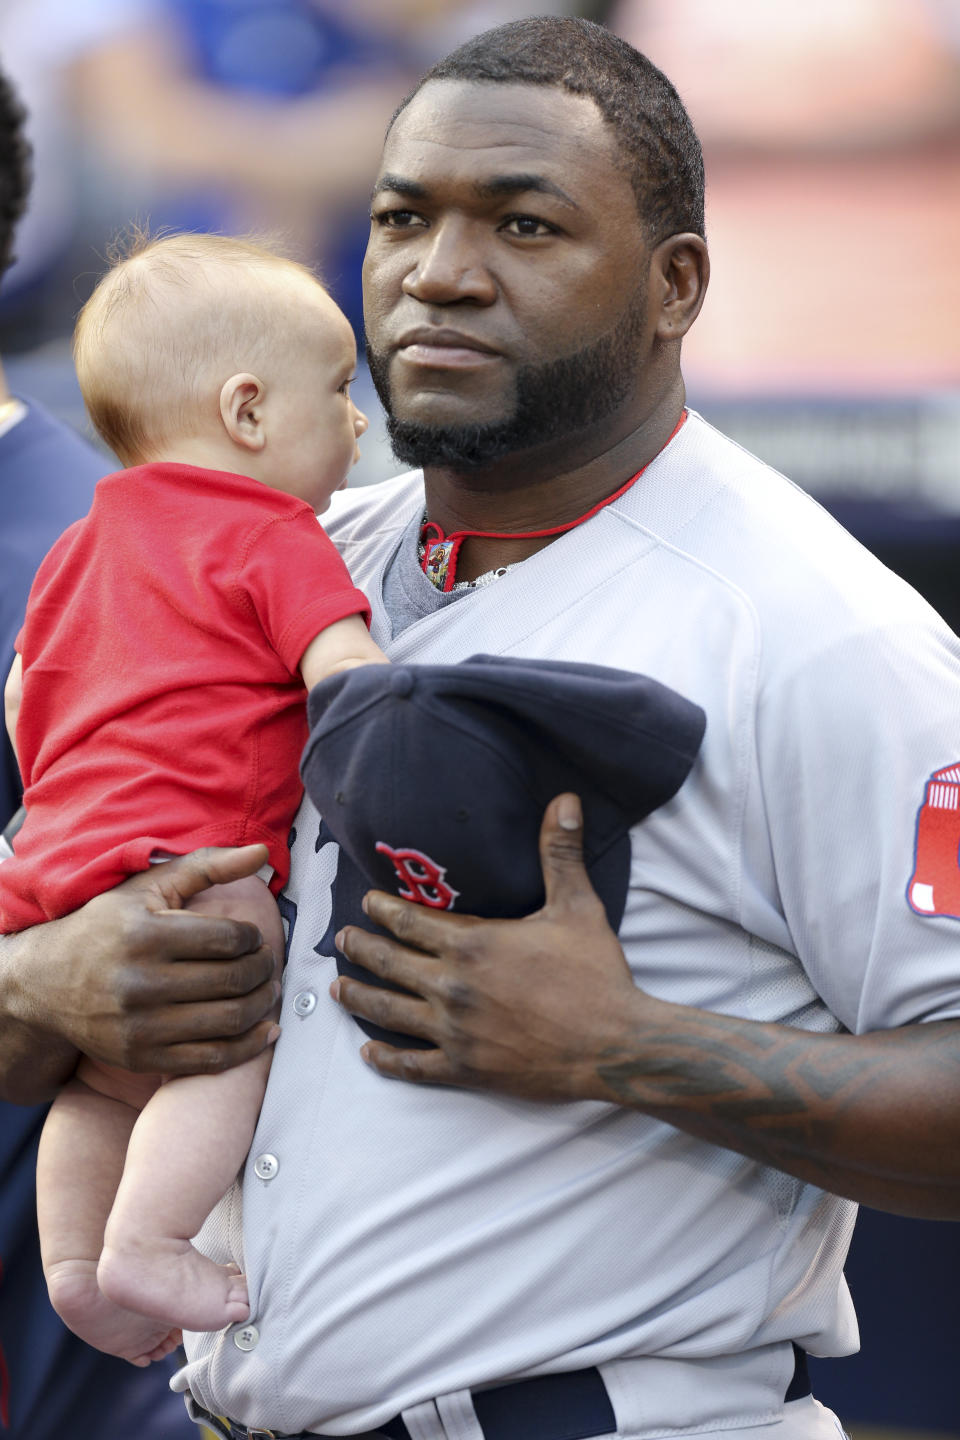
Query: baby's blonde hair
[(175, 316)]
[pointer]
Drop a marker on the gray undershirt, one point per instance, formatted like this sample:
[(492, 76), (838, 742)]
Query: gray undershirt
[(408, 595)]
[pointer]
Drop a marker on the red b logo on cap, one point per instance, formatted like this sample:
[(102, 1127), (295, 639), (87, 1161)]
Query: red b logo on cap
[(422, 877)]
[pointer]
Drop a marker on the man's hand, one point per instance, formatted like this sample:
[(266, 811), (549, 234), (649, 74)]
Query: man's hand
[(545, 1008), (531, 1007), (135, 980)]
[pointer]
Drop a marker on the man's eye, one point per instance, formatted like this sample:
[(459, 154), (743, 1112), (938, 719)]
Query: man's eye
[(527, 226), (397, 219)]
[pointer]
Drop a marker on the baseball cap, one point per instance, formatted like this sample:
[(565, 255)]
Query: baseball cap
[(433, 779)]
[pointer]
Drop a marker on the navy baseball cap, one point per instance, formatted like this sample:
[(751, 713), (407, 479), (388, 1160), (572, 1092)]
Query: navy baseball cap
[(433, 779)]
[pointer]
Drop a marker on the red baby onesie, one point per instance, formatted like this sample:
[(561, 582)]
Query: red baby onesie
[(163, 707)]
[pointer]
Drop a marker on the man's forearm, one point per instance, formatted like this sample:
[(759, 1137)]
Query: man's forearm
[(34, 1060), (872, 1117), (136, 980), (546, 1008)]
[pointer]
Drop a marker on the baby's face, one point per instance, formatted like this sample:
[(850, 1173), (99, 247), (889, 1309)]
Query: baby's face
[(314, 425)]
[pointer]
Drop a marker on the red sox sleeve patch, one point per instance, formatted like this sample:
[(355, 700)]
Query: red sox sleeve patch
[(934, 887)]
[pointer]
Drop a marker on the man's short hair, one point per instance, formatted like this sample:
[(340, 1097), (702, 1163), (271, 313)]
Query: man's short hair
[(656, 142), (15, 168)]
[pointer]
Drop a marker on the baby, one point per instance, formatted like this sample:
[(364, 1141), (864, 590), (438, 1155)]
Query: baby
[(170, 640)]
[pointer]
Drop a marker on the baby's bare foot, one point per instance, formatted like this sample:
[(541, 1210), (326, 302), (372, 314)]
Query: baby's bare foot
[(84, 1309), (173, 1282)]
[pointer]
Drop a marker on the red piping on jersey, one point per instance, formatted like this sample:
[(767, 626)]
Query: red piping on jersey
[(432, 535)]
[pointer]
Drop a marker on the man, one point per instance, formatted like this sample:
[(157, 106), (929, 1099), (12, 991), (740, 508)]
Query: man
[(654, 1254), (49, 1380)]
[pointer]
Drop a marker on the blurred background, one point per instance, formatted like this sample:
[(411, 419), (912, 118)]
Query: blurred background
[(829, 343)]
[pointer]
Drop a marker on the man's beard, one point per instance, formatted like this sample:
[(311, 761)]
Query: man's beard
[(553, 401)]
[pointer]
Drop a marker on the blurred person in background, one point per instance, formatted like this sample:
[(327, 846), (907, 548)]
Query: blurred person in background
[(252, 115), (44, 47), (51, 1384), (831, 133)]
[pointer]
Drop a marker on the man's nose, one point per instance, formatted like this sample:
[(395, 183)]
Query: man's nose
[(450, 267)]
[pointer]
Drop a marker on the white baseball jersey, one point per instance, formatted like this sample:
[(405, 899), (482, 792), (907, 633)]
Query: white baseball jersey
[(404, 1243)]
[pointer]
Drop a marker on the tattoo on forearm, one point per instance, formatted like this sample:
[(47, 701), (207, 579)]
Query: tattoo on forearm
[(783, 1096)]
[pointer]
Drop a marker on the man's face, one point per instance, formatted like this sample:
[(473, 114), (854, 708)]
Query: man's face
[(505, 278)]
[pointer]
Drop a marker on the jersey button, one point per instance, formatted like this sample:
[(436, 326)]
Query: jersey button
[(304, 1003), (266, 1166), (246, 1337)]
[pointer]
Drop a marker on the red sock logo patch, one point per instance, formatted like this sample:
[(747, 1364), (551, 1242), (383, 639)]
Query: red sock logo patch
[(934, 887)]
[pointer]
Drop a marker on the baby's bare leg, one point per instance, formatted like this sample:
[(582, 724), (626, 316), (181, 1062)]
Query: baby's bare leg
[(184, 1152), (78, 1170)]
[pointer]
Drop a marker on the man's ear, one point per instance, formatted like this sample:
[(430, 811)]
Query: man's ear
[(241, 402), (680, 270)]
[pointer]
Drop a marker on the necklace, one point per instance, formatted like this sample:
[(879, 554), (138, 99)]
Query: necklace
[(439, 552), (487, 578)]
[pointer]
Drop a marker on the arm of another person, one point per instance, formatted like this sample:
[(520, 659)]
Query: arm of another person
[(545, 1008), (135, 980)]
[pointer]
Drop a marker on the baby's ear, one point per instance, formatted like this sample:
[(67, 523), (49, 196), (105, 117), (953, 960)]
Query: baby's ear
[(241, 399)]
